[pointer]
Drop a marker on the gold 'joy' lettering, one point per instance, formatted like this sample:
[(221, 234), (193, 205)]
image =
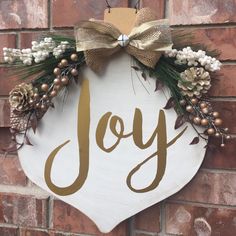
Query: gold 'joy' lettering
[(159, 134), (83, 144), (83, 124)]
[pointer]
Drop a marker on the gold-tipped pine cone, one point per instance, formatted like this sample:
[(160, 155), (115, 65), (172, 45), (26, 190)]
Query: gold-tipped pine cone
[(194, 82), (21, 97)]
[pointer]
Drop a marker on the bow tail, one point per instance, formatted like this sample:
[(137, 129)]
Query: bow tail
[(97, 58), (148, 58)]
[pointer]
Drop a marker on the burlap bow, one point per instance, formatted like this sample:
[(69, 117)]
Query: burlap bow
[(146, 42)]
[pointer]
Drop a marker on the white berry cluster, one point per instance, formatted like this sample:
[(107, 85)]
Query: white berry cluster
[(187, 56), (60, 49), (10, 54), (37, 53)]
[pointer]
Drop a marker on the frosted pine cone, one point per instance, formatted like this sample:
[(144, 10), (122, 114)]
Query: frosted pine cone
[(21, 97), (194, 82)]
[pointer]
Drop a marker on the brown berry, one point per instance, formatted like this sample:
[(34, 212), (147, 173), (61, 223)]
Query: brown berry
[(45, 97), (216, 114), (60, 65), (44, 87), (194, 101), (74, 72), (211, 131), (205, 110), (197, 120), (57, 71), (218, 122), (204, 122), (36, 96), (74, 57), (57, 87), (57, 81), (203, 105), (65, 80), (189, 109), (43, 107), (53, 93), (64, 62)]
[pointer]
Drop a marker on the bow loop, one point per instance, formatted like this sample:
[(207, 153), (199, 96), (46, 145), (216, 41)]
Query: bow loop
[(99, 40)]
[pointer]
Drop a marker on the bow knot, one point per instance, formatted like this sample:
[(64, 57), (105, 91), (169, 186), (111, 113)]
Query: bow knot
[(123, 40), (146, 42)]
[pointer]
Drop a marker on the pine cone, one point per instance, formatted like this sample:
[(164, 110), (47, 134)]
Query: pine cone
[(21, 97), (194, 82)]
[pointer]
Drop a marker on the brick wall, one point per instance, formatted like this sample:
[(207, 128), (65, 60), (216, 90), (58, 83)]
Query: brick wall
[(25, 210)]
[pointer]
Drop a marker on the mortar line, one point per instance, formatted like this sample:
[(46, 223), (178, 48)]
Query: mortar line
[(162, 219), (200, 204)]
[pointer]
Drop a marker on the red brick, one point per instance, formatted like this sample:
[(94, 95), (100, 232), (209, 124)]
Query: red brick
[(68, 219), (149, 219), (27, 38), (31, 232), (221, 39), (70, 12), (4, 113), (221, 158), (227, 110), (11, 172), (180, 219), (187, 12), (157, 6), (7, 81), (210, 187), (23, 210), (225, 84), (6, 40), (8, 231), (23, 14), (5, 138)]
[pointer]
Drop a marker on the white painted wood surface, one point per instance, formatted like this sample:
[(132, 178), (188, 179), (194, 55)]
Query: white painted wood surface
[(105, 197)]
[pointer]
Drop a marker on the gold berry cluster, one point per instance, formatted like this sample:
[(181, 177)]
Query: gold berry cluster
[(65, 70), (201, 113)]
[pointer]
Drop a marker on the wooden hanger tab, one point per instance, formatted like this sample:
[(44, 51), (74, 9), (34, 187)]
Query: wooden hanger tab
[(122, 18)]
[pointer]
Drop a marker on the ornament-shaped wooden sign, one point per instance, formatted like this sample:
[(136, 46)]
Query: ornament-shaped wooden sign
[(110, 149)]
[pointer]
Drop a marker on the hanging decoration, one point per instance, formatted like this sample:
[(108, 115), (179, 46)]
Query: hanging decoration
[(179, 73)]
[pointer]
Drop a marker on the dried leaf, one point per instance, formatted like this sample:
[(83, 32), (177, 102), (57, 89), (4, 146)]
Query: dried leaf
[(135, 68), (195, 141), (144, 76), (34, 123), (170, 104), (159, 85), (180, 121), (27, 142)]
